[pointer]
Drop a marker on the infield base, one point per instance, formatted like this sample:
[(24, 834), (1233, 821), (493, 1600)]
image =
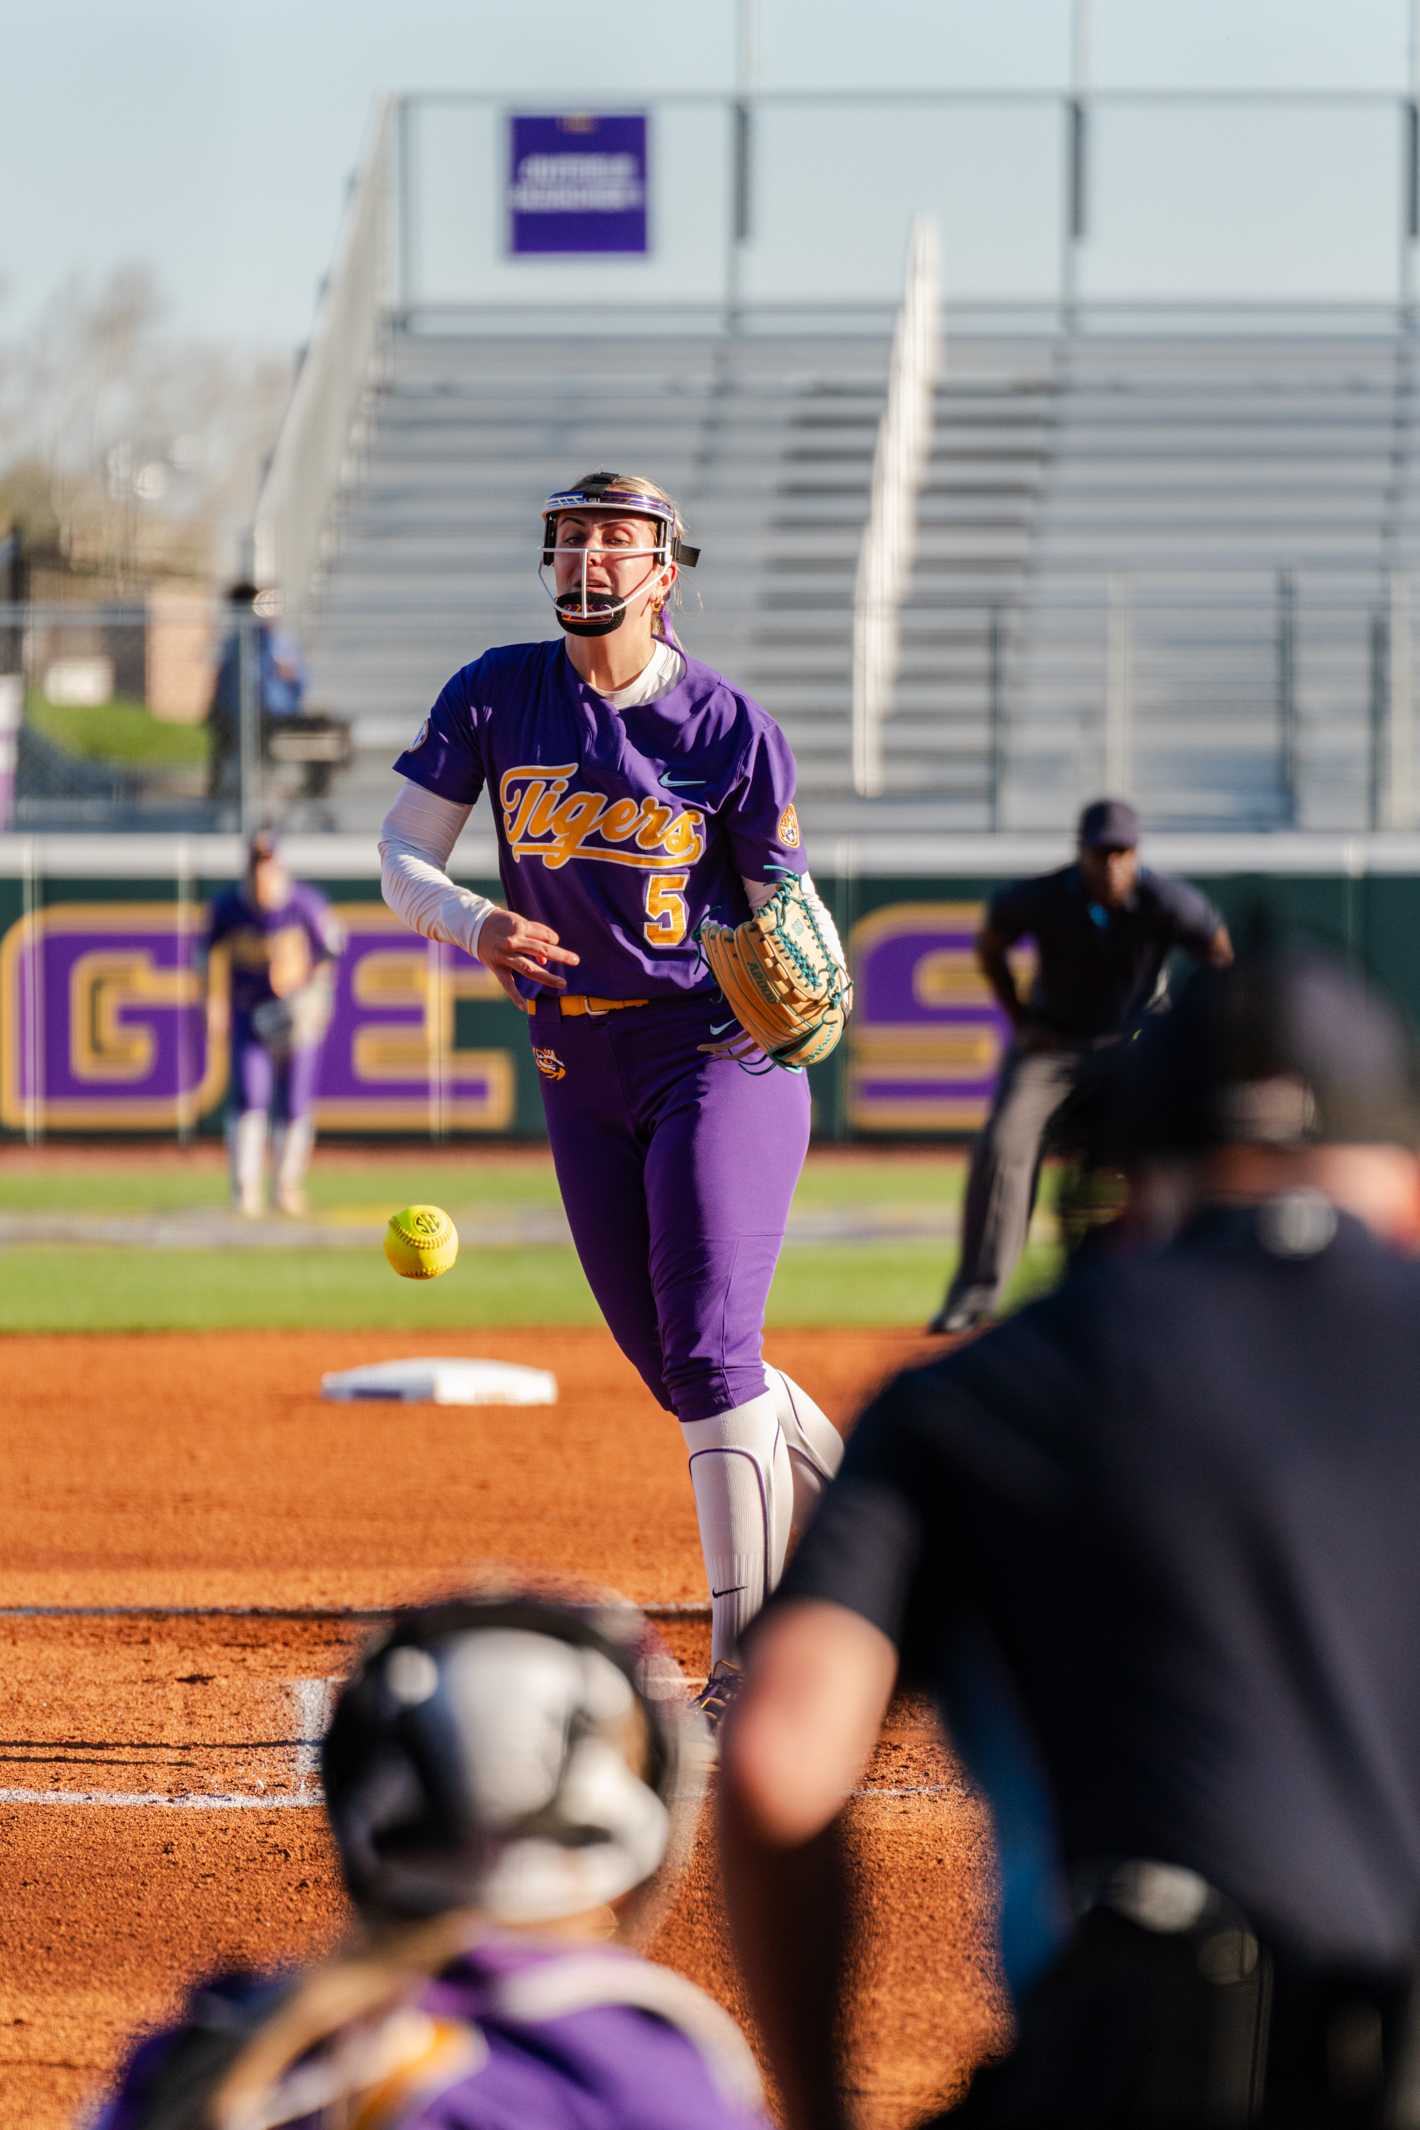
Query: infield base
[(435, 1382)]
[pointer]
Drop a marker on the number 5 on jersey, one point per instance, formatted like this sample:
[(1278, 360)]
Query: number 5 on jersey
[(665, 909)]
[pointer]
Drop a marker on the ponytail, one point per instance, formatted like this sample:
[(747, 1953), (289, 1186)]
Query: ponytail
[(361, 1985)]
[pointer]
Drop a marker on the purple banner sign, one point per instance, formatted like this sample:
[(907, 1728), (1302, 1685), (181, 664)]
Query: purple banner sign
[(926, 1036), (103, 1027), (389, 1062), (577, 183)]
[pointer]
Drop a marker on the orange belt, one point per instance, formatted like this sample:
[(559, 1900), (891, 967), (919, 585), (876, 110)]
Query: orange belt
[(571, 1004)]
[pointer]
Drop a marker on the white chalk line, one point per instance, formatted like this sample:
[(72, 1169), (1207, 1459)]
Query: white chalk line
[(310, 1706), (249, 1801), (191, 1801), (311, 1700), (317, 1613)]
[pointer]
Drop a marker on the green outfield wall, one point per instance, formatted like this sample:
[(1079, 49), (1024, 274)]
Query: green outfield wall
[(102, 1028)]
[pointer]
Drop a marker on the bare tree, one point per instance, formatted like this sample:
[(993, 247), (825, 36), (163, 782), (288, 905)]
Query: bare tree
[(129, 452)]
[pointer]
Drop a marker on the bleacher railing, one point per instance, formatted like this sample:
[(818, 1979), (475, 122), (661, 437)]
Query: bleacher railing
[(321, 432), (889, 537)]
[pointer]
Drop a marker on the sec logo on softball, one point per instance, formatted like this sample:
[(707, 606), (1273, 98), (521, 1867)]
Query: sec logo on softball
[(421, 1242)]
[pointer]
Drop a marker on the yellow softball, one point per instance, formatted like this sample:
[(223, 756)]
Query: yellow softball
[(421, 1242)]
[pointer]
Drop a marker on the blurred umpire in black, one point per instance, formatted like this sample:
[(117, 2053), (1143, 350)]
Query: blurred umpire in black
[(1152, 1547), (1104, 928)]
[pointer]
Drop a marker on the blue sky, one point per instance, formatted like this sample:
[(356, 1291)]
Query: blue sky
[(214, 141)]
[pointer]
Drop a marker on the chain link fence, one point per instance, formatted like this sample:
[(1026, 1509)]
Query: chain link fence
[(1281, 703), (178, 715)]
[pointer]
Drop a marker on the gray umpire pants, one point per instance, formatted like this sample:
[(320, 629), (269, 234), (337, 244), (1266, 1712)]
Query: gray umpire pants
[(1005, 1164)]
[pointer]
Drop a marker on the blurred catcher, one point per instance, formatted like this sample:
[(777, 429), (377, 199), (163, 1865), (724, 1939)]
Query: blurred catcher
[(510, 1783), (281, 945)]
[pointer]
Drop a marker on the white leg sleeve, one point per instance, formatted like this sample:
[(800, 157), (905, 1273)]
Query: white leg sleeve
[(814, 1444), (246, 1158), (292, 1159), (739, 1467)]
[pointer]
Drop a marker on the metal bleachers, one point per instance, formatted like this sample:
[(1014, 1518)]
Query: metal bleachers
[(1166, 543), (977, 509), (1148, 556), (767, 441), (1203, 522)]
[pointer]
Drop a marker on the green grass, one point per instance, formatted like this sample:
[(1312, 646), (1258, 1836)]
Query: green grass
[(81, 1286), (64, 1288), (123, 732), (460, 1182)]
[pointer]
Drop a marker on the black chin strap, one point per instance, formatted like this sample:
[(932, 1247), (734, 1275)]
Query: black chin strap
[(593, 624)]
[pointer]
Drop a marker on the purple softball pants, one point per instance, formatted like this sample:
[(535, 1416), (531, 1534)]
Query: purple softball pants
[(285, 1087), (676, 1172)]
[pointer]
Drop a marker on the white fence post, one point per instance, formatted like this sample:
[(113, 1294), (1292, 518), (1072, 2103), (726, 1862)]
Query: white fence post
[(890, 534), (12, 713), (1119, 686), (33, 965), (1398, 799)]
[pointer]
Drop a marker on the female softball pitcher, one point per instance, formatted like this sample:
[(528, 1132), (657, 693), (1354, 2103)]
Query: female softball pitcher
[(638, 794)]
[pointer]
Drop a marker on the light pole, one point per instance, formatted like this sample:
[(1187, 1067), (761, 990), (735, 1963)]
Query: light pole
[(1077, 156), (745, 57)]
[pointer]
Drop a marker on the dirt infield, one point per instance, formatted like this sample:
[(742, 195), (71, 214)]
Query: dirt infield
[(173, 1497)]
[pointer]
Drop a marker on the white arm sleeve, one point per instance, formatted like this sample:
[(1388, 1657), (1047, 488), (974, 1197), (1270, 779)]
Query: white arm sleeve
[(416, 837), (761, 891)]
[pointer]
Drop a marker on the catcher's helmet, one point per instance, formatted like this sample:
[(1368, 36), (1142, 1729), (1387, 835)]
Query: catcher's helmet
[(508, 1753), (585, 613)]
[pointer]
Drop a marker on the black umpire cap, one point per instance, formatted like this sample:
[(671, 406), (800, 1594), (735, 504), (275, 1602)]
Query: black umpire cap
[(1289, 1047), (1109, 824)]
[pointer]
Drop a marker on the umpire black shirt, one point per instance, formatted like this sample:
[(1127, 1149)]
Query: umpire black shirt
[(1152, 1546), (1099, 968)]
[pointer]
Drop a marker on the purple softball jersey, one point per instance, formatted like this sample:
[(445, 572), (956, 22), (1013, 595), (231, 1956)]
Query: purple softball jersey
[(272, 951), (620, 829), (512, 2036)]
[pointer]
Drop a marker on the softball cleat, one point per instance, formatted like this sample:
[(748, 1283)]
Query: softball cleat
[(719, 1693)]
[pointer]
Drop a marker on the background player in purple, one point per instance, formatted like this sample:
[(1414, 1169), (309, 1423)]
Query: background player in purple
[(282, 943), (637, 793), (509, 1782)]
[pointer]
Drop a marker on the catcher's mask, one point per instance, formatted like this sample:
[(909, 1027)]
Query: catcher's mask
[(583, 612), (512, 1754)]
